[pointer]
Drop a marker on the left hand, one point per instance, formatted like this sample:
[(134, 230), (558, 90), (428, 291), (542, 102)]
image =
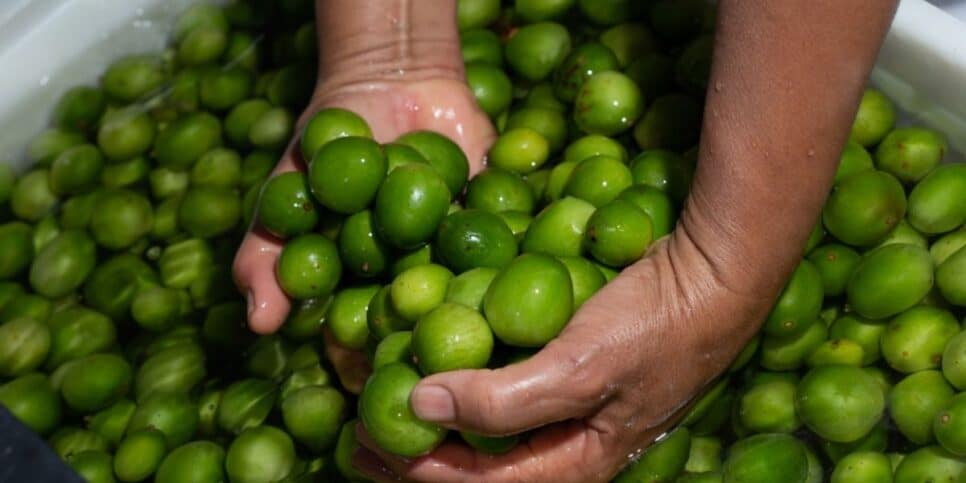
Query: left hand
[(622, 373)]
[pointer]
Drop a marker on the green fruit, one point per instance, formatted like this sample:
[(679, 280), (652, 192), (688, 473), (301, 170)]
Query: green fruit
[(938, 203), (469, 287), (837, 352), (69, 440), (618, 233), (949, 244), (76, 170), (663, 170), (931, 463), (490, 444), (79, 108), (835, 263), (418, 290), (536, 50), (245, 404), (656, 204), (862, 467), (839, 403), (139, 455), (530, 301), (395, 347), (594, 145), (559, 229), (174, 370), (24, 344), (496, 190), (63, 264), (877, 290), (854, 159), (185, 140), (769, 407), (549, 123), (910, 153), (520, 150), (598, 180), (329, 124), (111, 423), (195, 462), (33, 401), (94, 382), (286, 207), (864, 332), (313, 416), (260, 454), (243, 116), (207, 211), (308, 267), (113, 284), (949, 426), (220, 167), (94, 466), (864, 208), (481, 46), (799, 303), (361, 251), (346, 316), (766, 458), (609, 12), (915, 339), (452, 337), (175, 415), (586, 279), (16, 249), (120, 218), (382, 318), (662, 461), (471, 238), (476, 13), (875, 118), (490, 86), (444, 155), (629, 41), (954, 361), (904, 233), (345, 447), (914, 403), (705, 455), (409, 206), (582, 63), (346, 173), (608, 103), (131, 78), (31, 198), (125, 134), (387, 416), (268, 357), (950, 280)]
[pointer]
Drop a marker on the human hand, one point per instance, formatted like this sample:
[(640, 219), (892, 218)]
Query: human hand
[(621, 374)]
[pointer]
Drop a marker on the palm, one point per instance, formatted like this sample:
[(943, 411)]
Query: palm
[(391, 109)]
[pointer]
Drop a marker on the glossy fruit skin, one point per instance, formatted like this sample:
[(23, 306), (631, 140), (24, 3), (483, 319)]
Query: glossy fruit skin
[(549, 123), (914, 403), (286, 207), (954, 361), (914, 340), (629, 41), (174, 370), (111, 422), (835, 263), (139, 455), (31, 198), (582, 63), (16, 248), (520, 150), (362, 252), (536, 50), (769, 406), (129, 78), (120, 218), (187, 139), (260, 454), (662, 461), (207, 211), (346, 173), (444, 155), (63, 264), (411, 203), (491, 87), (245, 404), (866, 333), (936, 204), (79, 108), (70, 440), (195, 462), (481, 46), (672, 122), (112, 285), (533, 287), (309, 266), (950, 280), (862, 466), (663, 170), (395, 347), (598, 180), (873, 289), (930, 463), (24, 344), (618, 233), (476, 13), (175, 415), (418, 290), (387, 416), (32, 400), (608, 103), (94, 466), (346, 316), (559, 229), (854, 159), (839, 403), (799, 303), (96, 381), (313, 416), (329, 124), (497, 190), (875, 118), (948, 425), (766, 457), (451, 337), (910, 153), (125, 134), (471, 238), (76, 170), (864, 207)]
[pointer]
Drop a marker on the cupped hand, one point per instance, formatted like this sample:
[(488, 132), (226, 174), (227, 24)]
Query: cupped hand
[(391, 108), (622, 373)]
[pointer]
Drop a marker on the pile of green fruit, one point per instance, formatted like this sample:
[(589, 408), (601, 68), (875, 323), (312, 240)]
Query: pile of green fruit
[(124, 342)]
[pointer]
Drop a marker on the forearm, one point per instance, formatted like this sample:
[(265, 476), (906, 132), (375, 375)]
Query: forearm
[(387, 40), (785, 83)]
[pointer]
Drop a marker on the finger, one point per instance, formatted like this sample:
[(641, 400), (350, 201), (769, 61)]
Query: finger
[(254, 270), (351, 366), (254, 267), (562, 453), (560, 382), (369, 464)]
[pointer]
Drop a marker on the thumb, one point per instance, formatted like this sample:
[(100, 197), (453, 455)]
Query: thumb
[(558, 383)]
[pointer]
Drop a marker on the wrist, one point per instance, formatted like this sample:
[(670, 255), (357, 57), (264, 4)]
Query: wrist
[(365, 43)]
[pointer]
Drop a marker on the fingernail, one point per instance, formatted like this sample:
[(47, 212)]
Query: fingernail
[(434, 404)]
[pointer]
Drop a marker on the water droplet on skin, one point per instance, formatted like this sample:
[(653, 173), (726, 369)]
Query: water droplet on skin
[(717, 86), (811, 152)]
